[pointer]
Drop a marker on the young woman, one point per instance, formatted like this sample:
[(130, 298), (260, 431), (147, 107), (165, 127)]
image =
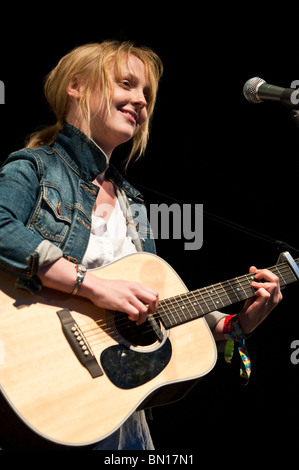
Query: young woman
[(64, 208)]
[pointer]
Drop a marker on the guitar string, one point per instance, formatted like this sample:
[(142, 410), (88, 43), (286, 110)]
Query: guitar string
[(206, 295), (183, 300), (179, 303), (95, 339)]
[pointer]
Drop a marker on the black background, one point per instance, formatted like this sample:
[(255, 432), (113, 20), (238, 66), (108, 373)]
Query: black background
[(208, 145)]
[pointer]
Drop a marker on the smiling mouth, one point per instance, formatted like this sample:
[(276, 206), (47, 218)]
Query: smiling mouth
[(130, 114)]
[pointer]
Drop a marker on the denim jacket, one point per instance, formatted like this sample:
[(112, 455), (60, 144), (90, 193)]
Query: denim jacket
[(46, 202)]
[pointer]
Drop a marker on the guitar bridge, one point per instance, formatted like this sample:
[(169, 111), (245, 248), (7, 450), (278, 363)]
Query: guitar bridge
[(78, 343)]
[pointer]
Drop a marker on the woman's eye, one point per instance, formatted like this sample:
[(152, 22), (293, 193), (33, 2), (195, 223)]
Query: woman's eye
[(126, 83)]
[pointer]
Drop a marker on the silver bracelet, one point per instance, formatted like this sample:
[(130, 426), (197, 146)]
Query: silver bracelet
[(81, 271)]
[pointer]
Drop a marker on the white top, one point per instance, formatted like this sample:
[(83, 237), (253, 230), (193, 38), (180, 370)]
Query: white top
[(108, 241)]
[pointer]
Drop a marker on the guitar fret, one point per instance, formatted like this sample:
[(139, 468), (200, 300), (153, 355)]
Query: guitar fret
[(228, 301), (286, 277), (214, 300), (174, 317), (218, 292), (185, 310), (195, 304), (247, 290), (164, 317), (189, 301), (236, 291), (232, 291), (205, 306), (177, 311)]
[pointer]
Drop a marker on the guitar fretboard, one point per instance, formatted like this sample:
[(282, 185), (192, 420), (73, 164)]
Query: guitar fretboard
[(191, 305)]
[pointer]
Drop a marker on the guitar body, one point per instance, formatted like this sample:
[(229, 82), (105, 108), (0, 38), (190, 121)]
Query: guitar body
[(50, 398)]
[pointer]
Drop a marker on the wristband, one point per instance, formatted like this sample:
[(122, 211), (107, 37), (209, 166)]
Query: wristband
[(227, 327), (81, 271)]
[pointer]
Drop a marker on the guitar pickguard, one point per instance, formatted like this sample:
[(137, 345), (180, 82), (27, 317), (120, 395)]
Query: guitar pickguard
[(127, 368)]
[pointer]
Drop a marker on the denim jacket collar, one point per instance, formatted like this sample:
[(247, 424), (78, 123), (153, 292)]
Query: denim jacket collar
[(87, 159), (81, 153)]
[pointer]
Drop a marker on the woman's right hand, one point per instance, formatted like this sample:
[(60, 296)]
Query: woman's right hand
[(132, 298)]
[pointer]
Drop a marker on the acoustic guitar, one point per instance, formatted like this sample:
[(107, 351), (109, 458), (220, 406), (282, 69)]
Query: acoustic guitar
[(72, 373)]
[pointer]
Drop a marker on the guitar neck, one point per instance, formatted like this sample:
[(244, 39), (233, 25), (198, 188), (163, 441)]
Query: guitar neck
[(191, 305)]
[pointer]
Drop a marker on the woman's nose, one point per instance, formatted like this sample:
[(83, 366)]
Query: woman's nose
[(139, 99)]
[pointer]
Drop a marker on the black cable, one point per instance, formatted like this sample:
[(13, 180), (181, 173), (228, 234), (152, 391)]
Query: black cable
[(241, 228)]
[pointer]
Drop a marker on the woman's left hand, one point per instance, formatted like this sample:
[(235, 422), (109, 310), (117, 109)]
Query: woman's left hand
[(267, 297)]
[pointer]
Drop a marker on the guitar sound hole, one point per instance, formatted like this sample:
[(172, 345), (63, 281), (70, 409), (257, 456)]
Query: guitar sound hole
[(142, 335)]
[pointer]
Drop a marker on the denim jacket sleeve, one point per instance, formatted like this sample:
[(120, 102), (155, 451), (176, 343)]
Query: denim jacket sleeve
[(21, 250)]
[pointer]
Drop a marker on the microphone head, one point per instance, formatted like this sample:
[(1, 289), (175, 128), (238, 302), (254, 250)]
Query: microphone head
[(250, 89)]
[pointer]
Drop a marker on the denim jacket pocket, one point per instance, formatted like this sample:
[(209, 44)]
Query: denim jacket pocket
[(52, 216)]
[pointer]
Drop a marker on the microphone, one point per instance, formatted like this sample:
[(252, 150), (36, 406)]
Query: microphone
[(257, 90)]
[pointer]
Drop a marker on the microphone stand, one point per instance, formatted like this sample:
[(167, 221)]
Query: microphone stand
[(278, 244)]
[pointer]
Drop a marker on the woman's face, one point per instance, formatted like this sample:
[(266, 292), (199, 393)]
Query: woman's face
[(128, 111)]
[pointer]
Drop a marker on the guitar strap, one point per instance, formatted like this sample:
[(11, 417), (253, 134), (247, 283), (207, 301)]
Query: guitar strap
[(233, 334)]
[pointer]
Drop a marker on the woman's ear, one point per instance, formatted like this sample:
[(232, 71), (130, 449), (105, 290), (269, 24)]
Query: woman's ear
[(75, 88)]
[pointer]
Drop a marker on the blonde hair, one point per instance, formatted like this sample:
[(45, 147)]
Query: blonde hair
[(91, 64)]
